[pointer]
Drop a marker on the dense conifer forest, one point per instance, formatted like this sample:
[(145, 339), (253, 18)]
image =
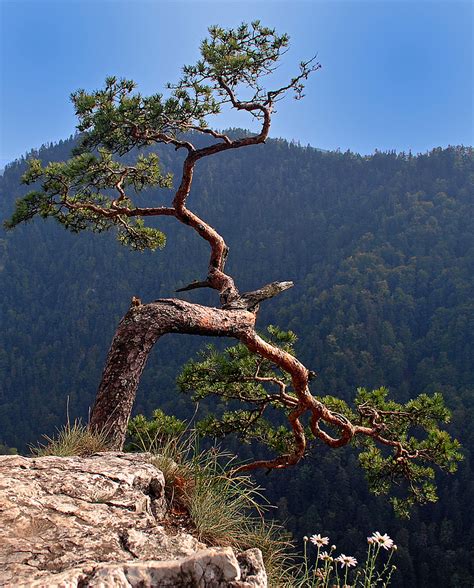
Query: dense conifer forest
[(381, 250)]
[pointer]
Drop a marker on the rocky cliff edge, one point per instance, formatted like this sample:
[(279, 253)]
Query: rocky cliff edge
[(102, 521)]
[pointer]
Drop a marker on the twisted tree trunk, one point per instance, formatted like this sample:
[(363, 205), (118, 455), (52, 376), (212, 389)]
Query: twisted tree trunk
[(143, 324), (136, 334)]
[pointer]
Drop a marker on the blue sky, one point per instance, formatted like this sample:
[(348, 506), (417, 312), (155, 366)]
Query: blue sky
[(396, 74)]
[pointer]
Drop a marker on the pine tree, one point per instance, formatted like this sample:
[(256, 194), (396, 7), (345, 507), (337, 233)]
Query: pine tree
[(98, 189)]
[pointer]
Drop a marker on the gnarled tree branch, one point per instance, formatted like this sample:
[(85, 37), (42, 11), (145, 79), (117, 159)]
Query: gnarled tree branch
[(136, 334)]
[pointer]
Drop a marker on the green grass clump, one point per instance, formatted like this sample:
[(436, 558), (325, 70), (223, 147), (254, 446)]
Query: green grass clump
[(225, 509), (75, 439)]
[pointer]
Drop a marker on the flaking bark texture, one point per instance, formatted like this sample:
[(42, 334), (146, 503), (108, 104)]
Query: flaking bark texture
[(136, 334), (144, 324)]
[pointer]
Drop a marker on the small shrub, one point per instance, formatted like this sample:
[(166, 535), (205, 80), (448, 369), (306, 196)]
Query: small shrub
[(5, 450), (153, 434)]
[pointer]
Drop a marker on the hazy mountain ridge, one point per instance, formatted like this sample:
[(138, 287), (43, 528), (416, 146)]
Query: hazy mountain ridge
[(381, 249)]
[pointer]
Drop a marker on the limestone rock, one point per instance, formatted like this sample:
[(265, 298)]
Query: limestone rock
[(252, 569), (101, 521), (209, 568)]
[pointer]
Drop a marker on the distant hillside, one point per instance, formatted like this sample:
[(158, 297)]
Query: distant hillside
[(381, 250)]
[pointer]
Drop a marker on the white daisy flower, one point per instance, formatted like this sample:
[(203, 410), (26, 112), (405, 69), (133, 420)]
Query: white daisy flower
[(382, 540), (346, 561), (318, 540)]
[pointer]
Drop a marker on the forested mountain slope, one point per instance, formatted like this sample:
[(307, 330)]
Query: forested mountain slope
[(381, 250)]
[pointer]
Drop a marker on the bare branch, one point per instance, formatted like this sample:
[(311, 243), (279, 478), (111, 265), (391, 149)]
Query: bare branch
[(282, 461), (208, 131), (194, 285), (119, 211), (251, 300), (295, 83), (119, 186)]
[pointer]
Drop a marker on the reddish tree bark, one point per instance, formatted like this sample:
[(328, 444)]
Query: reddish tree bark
[(136, 334), (144, 324)]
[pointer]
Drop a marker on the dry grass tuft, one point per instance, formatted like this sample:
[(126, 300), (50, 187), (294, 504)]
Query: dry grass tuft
[(75, 439), (225, 509)]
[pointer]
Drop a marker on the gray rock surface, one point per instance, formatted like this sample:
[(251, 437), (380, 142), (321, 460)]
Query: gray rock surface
[(101, 521)]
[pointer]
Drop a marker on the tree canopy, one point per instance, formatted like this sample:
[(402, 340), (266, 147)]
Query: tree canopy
[(97, 191)]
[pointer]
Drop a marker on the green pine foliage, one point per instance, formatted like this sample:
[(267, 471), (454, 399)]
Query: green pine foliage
[(96, 190), (149, 434), (238, 375), (85, 179), (229, 375)]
